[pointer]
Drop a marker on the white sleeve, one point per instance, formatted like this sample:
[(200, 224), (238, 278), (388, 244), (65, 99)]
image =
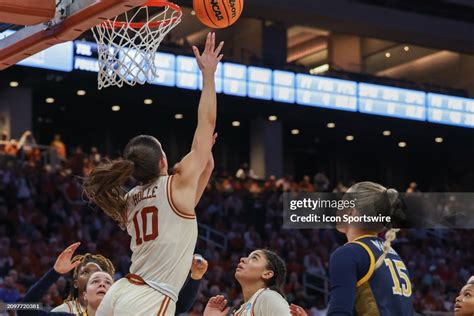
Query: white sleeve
[(63, 308), (270, 303)]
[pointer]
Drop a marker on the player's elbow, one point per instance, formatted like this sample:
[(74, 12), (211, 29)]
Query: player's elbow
[(209, 118), (209, 167)]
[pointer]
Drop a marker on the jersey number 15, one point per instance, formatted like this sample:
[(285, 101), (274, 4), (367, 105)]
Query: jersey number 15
[(398, 271), (145, 213)]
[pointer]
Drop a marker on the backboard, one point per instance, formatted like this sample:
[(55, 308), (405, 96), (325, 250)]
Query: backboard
[(29, 26)]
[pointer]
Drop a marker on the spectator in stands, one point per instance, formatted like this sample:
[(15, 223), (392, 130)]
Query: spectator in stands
[(59, 146), (11, 148), (3, 142), (284, 183), (306, 185), (412, 187), (340, 188), (95, 156), (9, 292), (321, 182), (6, 261), (28, 147), (245, 172)]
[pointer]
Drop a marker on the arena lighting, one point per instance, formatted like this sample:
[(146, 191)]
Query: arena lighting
[(439, 140), (49, 100), (272, 118), (236, 123), (295, 131), (319, 70), (386, 133), (331, 125), (406, 48), (81, 92), (14, 84), (193, 12), (387, 55), (115, 108), (148, 101), (178, 116), (349, 138), (402, 144)]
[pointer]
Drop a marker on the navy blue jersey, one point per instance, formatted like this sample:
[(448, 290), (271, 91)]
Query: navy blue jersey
[(357, 288)]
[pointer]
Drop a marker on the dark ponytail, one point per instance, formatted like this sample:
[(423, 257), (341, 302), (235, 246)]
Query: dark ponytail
[(104, 187), (278, 266)]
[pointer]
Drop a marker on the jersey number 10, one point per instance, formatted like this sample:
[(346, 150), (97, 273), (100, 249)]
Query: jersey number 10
[(398, 271), (140, 236)]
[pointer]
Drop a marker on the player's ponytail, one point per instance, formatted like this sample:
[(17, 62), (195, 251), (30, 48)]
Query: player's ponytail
[(277, 265), (104, 187), (390, 236), (391, 198)]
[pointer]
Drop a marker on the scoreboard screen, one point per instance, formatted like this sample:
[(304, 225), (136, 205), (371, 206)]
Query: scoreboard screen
[(390, 101), (326, 92)]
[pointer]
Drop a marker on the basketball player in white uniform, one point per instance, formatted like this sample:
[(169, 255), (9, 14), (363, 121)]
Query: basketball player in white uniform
[(261, 275), (158, 214)]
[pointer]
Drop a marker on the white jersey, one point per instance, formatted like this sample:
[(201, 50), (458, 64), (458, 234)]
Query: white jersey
[(264, 302), (163, 238), (71, 307)]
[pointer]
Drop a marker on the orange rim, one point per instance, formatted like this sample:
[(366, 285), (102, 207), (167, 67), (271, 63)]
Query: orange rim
[(137, 25)]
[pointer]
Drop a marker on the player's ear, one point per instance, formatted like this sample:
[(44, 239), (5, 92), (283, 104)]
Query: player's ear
[(352, 212), (267, 274), (163, 162)]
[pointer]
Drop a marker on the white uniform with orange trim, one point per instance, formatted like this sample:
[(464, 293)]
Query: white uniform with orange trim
[(163, 242), (264, 302)]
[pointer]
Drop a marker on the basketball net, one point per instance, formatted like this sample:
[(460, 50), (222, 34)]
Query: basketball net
[(127, 48)]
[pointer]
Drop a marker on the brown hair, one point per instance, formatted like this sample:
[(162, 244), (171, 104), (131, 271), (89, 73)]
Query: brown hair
[(105, 264), (104, 185), (372, 198), (278, 266)]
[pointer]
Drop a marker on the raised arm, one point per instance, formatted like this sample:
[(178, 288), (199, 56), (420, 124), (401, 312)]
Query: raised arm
[(62, 265), (205, 175), (188, 294), (185, 186)]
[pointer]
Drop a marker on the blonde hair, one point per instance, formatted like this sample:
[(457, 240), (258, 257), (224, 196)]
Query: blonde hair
[(372, 198)]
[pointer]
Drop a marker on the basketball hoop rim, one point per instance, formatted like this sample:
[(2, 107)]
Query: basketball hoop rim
[(137, 25)]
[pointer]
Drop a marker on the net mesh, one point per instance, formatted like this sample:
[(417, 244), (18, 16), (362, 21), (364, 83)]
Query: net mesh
[(127, 50)]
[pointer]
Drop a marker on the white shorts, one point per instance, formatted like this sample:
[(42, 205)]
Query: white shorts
[(127, 299)]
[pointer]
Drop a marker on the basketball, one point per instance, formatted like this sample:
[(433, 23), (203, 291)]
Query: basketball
[(218, 14)]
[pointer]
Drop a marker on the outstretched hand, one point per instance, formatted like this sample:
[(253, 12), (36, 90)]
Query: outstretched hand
[(216, 306), (210, 57), (198, 267), (63, 263), (296, 310)]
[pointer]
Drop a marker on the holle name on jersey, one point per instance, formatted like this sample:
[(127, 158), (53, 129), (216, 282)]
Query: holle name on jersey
[(141, 195)]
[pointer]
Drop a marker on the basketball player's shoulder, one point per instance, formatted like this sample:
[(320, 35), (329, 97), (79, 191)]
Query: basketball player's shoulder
[(348, 250), (178, 199), (66, 307), (271, 302), (272, 296)]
